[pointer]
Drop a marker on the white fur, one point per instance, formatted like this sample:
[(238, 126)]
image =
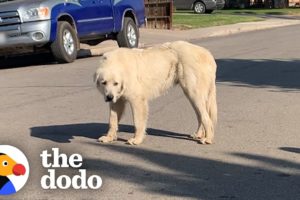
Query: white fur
[(137, 76)]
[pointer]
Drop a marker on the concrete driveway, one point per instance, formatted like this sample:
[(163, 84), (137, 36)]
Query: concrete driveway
[(256, 154)]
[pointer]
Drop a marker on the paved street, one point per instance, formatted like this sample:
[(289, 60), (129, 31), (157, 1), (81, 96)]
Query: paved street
[(256, 155)]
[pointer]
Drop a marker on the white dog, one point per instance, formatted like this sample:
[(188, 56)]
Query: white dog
[(137, 76)]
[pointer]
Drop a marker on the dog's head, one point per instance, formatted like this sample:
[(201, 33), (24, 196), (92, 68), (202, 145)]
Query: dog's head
[(109, 80)]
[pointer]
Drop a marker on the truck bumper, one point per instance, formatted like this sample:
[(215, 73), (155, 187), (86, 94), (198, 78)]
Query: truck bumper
[(25, 34)]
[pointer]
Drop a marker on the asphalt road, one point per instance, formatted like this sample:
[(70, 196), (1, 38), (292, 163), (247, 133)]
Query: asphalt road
[(256, 154)]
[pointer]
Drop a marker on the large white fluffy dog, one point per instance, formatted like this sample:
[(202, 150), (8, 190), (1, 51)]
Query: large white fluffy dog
[(139, 75)]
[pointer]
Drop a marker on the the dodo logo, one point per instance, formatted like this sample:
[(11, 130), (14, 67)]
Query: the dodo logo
[(14, 170)]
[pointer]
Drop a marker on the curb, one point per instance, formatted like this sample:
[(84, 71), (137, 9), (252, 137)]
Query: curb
[(247, 27)]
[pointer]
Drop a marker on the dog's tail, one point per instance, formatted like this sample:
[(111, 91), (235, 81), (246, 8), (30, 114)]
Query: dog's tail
[(212, 107)]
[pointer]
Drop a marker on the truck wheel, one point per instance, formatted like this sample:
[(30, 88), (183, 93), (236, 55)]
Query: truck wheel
[(129, 36), (199, 8), (64, 48)]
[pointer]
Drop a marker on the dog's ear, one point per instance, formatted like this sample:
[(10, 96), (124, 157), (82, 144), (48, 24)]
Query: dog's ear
[(122, 88), (103, 57), (96, 77)]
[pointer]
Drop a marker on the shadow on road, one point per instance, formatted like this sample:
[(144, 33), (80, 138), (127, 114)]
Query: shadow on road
[(290, 149), (260, 73), (186, 176), (26, 61), (64, 133), (37, 59)]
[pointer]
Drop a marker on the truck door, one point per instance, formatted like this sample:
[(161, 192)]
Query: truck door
[(95, 17)]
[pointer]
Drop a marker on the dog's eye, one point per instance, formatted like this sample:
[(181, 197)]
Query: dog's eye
[(103, 82), (115, 83)]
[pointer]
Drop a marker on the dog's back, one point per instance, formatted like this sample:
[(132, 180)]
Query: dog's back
[(189, 53)]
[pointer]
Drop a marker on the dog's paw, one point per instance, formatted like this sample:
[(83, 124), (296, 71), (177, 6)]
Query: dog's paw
[(205, 141), (196, 136), (106, 139), (134, 141), (193, 136)]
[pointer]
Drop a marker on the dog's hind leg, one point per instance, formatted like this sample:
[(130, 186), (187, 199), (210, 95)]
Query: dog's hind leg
[(200, 133), (140, 115), (208, 134), (116, 112), (205, 131)]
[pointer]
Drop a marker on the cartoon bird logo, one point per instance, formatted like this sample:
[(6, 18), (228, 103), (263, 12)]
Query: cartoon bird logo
[(9, 168)]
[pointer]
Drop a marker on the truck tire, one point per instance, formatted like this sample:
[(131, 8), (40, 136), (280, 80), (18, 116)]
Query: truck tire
[(64, 48), (129, 36), (199, 8)]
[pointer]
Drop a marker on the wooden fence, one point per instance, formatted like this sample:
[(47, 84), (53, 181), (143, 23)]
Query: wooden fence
[(159, 13)]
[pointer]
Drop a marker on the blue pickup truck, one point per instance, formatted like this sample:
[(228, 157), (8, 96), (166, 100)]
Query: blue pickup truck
[(61, 25)]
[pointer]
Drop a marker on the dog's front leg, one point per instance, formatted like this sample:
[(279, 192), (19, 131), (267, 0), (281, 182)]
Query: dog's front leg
[(116, 112), (140, 115)]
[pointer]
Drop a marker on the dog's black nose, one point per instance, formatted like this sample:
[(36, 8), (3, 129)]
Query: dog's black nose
[(109, 98)]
